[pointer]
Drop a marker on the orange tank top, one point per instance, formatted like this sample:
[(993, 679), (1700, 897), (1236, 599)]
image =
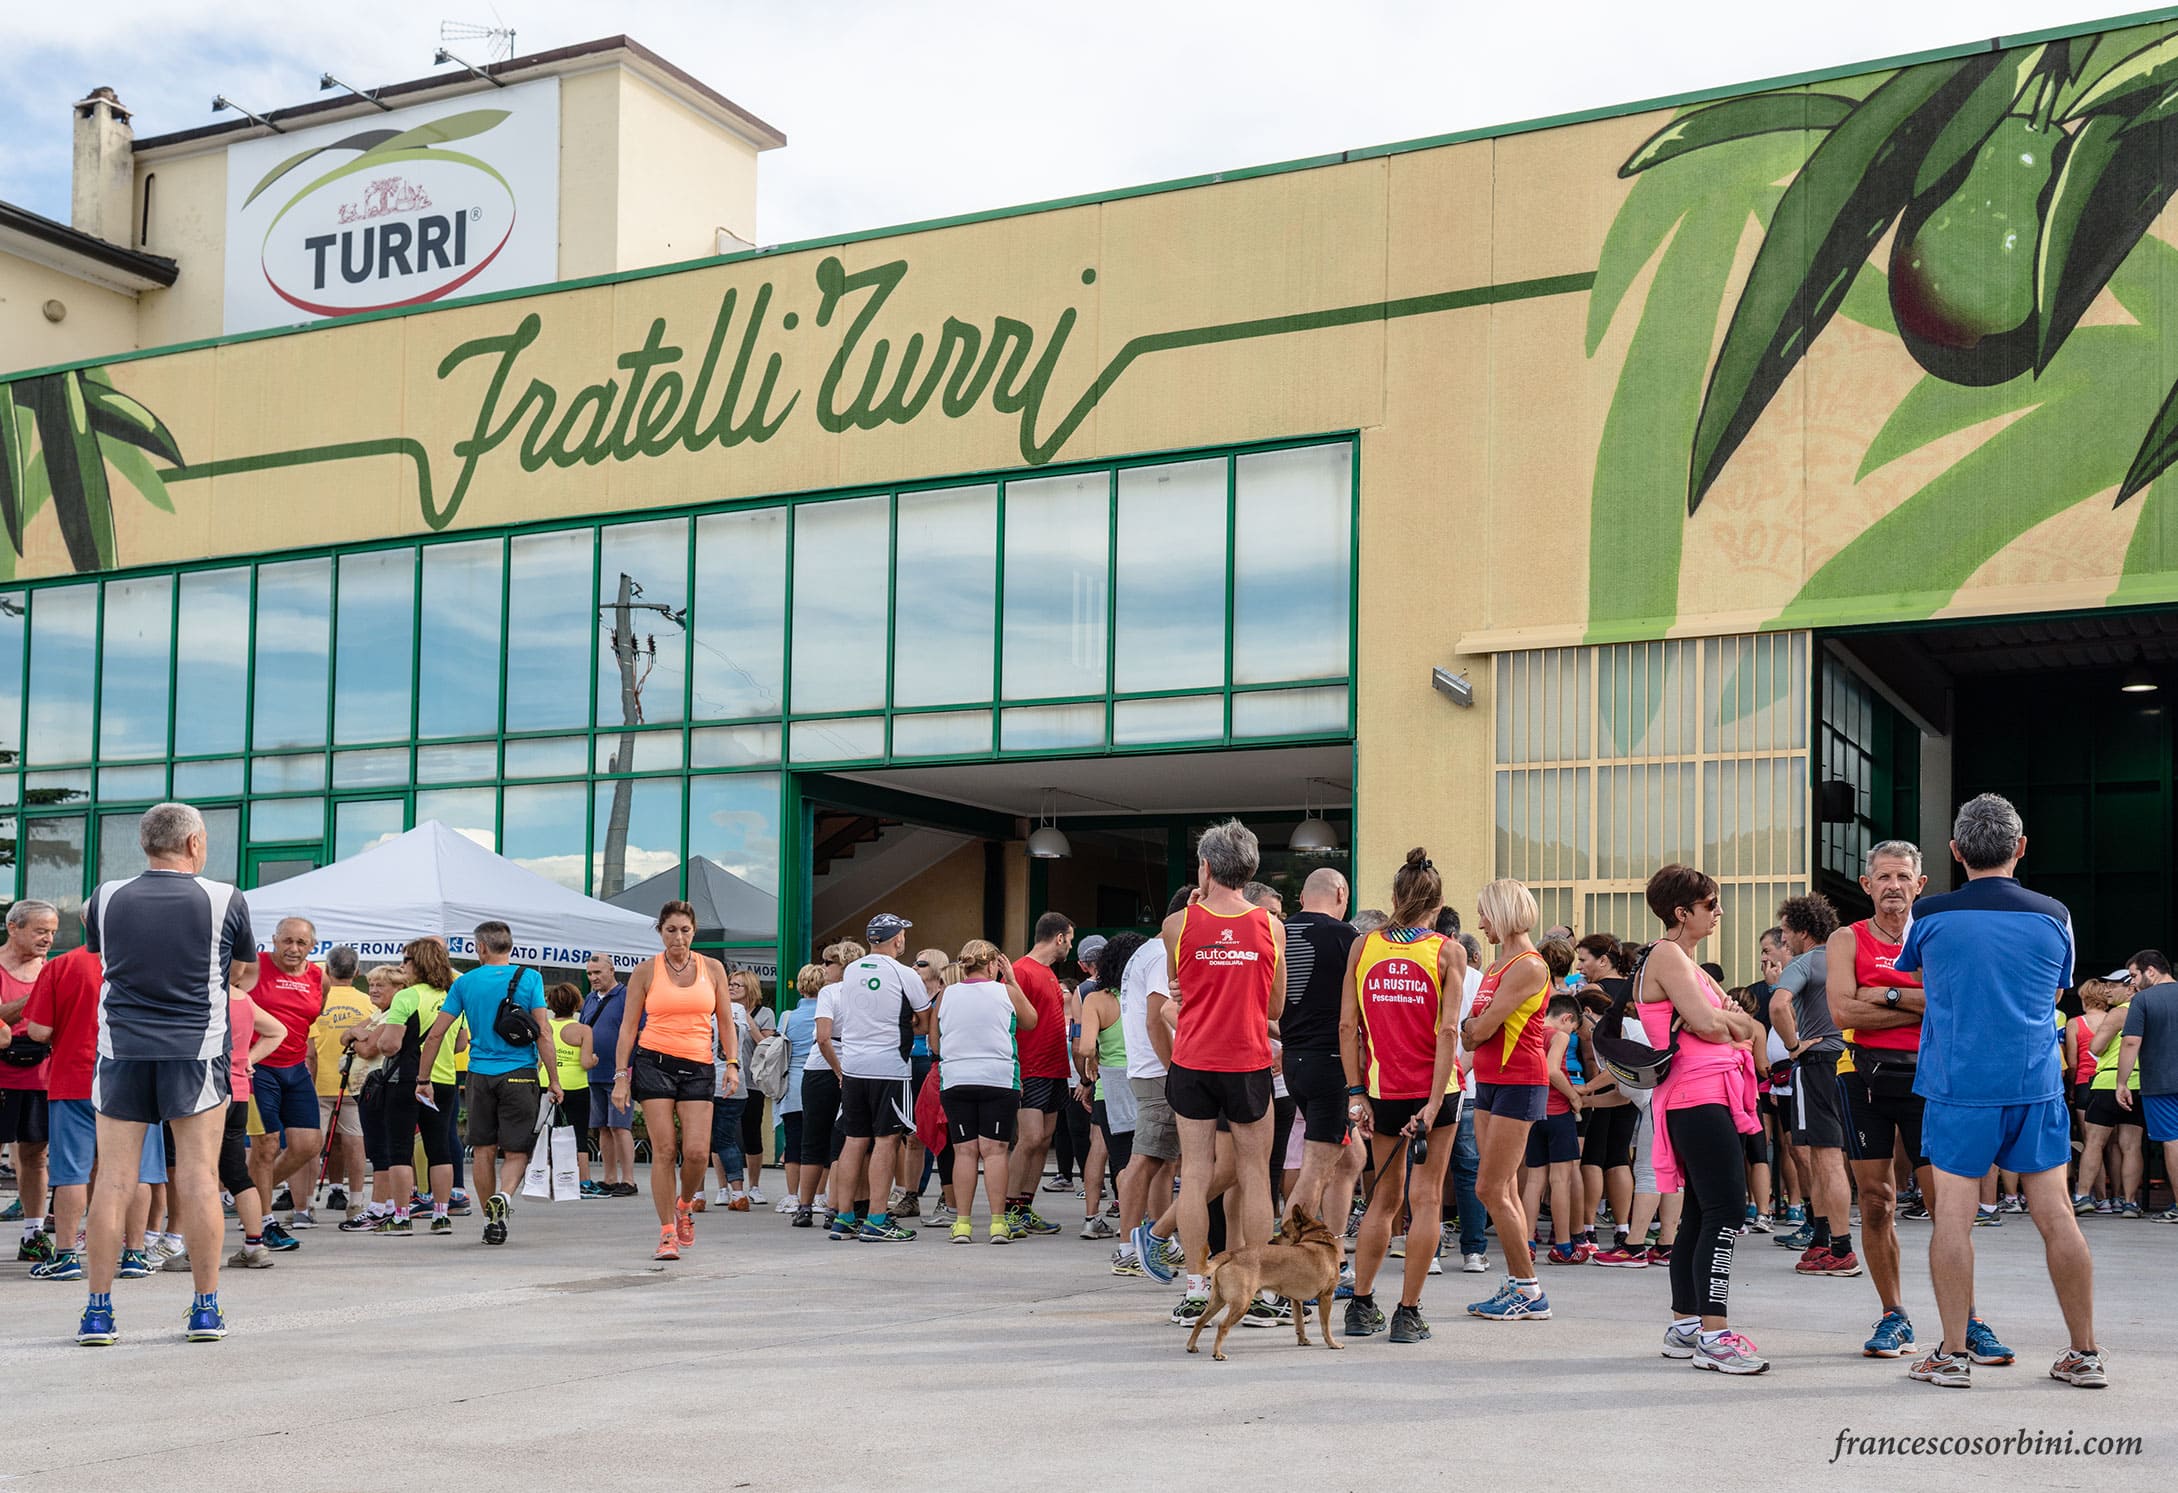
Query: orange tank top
[(677, 1018)]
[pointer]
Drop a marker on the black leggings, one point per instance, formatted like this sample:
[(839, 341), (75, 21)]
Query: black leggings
[(234, 1140), (1713, 1162)]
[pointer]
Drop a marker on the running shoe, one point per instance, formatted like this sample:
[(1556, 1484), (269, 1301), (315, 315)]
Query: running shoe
[(1345, 1291), (1828, 1261), (2104, 1207), (757, 1198), (13, 1212), (1680, 1342), (617, 1189), (1059, 1184), (279, 1240), (1893, 1335), (176, 1264), (684, 1222), (962, 1232), (942, 1216), (1097, 1228), (1799, 1241), (1029, 1221), (843, 1227), (284, 1200), (1659, 1254), (888, 1232), (133, 1265), (1982, 1345), (247, 1258), (495, 1218), (1945, 1370), (336, 1198), (804, 1218), (1514, 1305), (362, 1223), (1761, 1224), (2080, 1367), (669, 1243), (65, 1265), (303, 1218), (1474, 1264), (96, 1330), (2082, 1204), (1002, 1229), (1618, 1257), (2011, 1203), (739, 1203), (1175, 1253), (1189, 1311), (441, 1224), (1407, 1325), (1914, 1212), (1125, 1263), (161, 1248), (592, 1190), (2168, 1215), (207, 1323), (1261, 1313), (1793, 1213), (458, 1203), (696, 1204), (1987, 1217), (1728, 1353), (1150, 1250), (35, 1250), (722, 1198), (910, 1206), (2132, 1209), (1397, 1249), (391, 1227), (1362, 1318)]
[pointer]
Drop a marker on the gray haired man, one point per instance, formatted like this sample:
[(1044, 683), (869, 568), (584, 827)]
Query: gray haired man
[(23, 1114)]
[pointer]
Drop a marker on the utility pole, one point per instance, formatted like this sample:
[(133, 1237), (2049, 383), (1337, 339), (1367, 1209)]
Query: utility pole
[(613, 878)]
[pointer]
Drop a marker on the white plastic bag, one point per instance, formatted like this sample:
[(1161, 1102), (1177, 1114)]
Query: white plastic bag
[(566, 1181)]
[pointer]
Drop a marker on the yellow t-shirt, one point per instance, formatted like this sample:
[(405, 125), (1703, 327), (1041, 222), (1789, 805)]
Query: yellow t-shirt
[(345, 1008), (573, 1076)]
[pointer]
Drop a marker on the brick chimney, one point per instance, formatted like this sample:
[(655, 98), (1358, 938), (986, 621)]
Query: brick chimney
[(105, 168)]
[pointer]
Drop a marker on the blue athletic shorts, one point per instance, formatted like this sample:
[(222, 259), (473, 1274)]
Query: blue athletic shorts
[(74, 1126), (1512, 1101), (1967, 1139), (2161, 1113), (287, 1098), (151, 1090)]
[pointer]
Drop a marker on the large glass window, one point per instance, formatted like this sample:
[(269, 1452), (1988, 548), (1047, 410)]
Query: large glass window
[(636, 835), (63, 664), (1058, 543), (945, 564), (733, 849), (374, 644), (133, 670), (842, 571), (740, 657), (550, 626), (457, 693), (642, 604), (13, 615), (294, 624), (469, 811), (1169, 616), (546, 826), (1292, 563), (53, 869), (361, 824), (212, 662)]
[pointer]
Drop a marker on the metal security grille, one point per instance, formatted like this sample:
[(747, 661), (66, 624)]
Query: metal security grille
[(1614, 760)]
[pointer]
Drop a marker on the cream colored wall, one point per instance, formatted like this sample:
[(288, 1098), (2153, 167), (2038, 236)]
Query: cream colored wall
[(188, 226), (98, 322), (589, 173), (681, 178), (945, 903)]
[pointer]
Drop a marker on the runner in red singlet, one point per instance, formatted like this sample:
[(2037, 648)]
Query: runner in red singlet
[(1396, 980), (1509, 1039), (1879, 1011), (1227, 969)]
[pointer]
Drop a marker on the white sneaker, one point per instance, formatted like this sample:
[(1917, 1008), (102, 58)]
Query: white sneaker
[(1474, 1264), (757, 1198), (786, 1205), (722, 1197), (1436, 1266)]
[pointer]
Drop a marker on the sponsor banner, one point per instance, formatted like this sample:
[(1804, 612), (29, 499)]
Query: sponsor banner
[(370, 951), (397, 209)]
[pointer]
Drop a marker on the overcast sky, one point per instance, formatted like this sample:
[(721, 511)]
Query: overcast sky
[(897, 112)]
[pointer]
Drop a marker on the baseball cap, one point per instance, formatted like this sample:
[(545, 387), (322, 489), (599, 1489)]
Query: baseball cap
[(1087, 951), (887, 925), (2123, 975)]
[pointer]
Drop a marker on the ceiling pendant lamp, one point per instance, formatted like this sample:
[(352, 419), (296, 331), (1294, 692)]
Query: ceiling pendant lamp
[(1046, 842), (1314, 834)]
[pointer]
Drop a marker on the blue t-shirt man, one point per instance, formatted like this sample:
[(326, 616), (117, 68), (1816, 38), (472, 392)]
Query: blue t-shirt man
[(476, 996), (800, 1030), (1993, 957)]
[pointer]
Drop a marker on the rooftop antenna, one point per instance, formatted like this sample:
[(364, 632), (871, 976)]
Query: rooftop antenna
[(498, 40), (221, 103)]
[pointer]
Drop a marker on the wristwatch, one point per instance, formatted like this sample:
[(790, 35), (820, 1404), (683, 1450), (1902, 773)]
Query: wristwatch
[(1890, 999)]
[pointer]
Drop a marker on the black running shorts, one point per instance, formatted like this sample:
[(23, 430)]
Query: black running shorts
[(872, 1107), (1875, 1122), (820, 1115), (1200, 1094), (1317, 1082), (975, 1111), (661, 1075), (1818, 1103)]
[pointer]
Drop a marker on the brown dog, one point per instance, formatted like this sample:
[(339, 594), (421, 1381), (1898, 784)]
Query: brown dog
[(1301, 1261)]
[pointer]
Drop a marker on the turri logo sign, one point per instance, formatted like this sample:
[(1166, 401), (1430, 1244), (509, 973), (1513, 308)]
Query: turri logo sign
[(400, 209)]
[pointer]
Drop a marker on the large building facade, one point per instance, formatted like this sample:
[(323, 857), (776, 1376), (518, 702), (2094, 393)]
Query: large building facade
[(1733, 480)]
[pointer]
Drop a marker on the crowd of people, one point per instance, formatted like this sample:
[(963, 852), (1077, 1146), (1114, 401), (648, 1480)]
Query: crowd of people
[(1239, 1071)]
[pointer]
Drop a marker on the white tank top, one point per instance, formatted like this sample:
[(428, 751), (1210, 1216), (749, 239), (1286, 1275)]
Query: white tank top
[(975, 1037)]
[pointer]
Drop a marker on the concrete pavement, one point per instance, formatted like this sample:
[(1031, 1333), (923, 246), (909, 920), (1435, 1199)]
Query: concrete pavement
[(769, 1356)]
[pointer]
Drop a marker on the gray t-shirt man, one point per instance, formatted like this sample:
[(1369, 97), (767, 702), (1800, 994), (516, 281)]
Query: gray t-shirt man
[(1806, 979), (2153, 1018)]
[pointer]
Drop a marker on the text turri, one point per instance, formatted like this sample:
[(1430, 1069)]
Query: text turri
[(437, 241)]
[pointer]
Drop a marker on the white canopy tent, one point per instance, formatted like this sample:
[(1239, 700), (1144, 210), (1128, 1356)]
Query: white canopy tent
[(435, 880)]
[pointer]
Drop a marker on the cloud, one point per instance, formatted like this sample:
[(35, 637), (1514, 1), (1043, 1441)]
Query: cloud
[(903, 111)]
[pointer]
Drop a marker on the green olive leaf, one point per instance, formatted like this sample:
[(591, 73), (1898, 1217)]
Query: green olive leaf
[(363, 140), (439, 131), (2111, 184), (12, 472), (1736, 119), (2158, 449), (136, 467), (1843, 200), (2153, 68), (37, 485), (1962, 135), (124, 419), (76, 467)]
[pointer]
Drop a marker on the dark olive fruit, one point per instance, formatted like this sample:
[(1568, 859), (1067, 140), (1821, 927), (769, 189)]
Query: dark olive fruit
[(1962, 265)]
